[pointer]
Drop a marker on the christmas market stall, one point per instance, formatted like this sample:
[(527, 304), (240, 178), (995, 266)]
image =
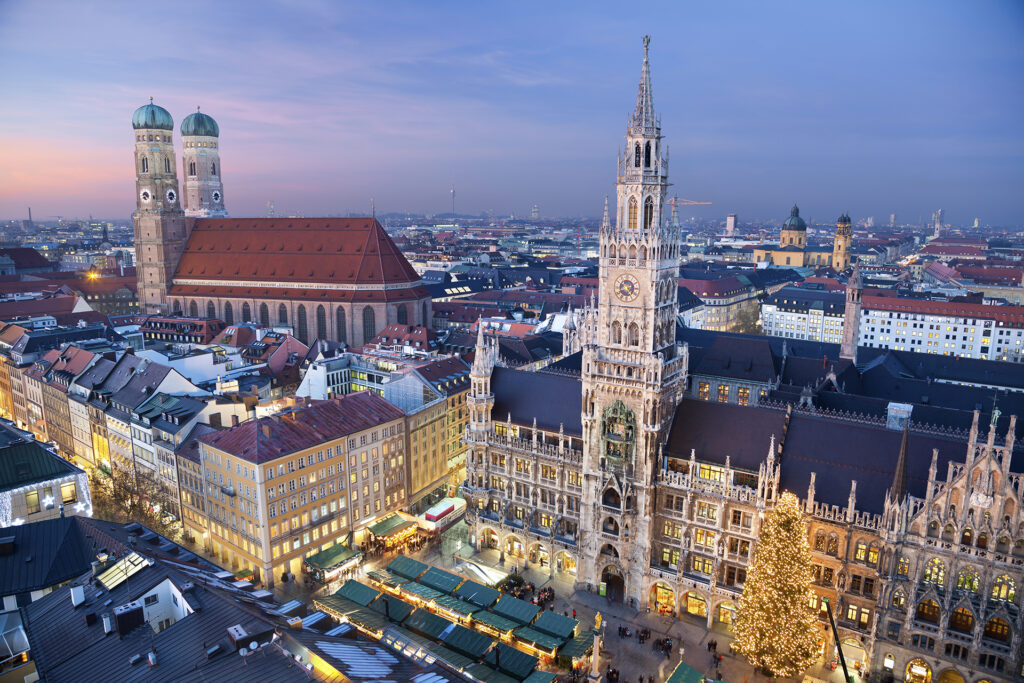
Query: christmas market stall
[(327, 565)]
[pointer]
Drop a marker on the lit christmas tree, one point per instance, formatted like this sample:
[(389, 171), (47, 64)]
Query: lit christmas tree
[(775, 627)]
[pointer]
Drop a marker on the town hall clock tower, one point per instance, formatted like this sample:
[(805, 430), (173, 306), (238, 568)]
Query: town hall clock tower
[(633, 371)]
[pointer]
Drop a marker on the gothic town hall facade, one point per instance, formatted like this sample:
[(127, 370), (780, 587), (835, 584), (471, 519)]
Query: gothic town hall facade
[(614, 474)]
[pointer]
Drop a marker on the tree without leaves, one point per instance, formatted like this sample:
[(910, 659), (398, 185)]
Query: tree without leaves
[(128, 496), (775, 627)]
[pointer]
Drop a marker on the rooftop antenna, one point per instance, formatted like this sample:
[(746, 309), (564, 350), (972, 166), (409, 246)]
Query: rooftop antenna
[(373, 208), (452, 192)]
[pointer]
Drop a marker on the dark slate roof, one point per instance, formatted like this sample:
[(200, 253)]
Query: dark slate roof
[(552, 399), (25, 461), (710, 429), (745, 359), (45, 554)]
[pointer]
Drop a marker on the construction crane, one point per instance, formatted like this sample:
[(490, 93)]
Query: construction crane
[(676, 201)]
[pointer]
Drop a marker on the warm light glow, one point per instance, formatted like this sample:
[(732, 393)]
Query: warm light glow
[(774, 627)]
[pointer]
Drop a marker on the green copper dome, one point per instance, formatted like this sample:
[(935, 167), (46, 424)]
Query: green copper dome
[(198, 123), (794, 222), (153, 117)]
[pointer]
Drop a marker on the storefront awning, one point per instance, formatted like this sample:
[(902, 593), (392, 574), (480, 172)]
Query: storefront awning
[(332, 558)]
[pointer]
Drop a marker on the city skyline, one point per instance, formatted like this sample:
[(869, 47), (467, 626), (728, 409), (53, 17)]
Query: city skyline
[(903, 109)]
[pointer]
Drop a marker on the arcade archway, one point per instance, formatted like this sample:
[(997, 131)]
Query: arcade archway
[(662, 599), (514, 546), (488, 539), (695, 605), (613, 585), (950, 676), (564, 562), (918, 671)]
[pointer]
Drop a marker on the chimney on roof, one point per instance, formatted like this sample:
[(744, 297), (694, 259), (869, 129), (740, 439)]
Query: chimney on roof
[(234, 420), (265, 428)]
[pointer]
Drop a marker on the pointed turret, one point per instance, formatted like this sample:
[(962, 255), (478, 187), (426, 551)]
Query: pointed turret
[(898, 492), (644, 114), (606, 223)]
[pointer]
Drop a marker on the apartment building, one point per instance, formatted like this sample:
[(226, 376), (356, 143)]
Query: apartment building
[(804, 314), (280, 488)]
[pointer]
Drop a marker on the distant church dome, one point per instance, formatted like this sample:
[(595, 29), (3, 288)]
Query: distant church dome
[(152, 116), (198, 123), (794, 222)]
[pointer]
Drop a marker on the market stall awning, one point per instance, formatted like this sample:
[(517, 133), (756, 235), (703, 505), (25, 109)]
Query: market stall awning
[(384, 577), (393, 608), (469, 643), (684, 673), (578, 646), (357, 592), (337, 606), (517, 610), (440, 580), (456, 606), (426, 623), (482, 672), (477, 593), (555, 624), (420, 591), (391, 525), (540, 677), (542, 641), (511, 661), (406, 567), (333, 557), (495, 621)]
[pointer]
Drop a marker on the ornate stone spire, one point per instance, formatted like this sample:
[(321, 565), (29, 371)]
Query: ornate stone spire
[(898, 492), (606, 224), (644, 114)]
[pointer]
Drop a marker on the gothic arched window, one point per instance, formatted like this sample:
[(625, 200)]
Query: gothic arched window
[(191, 168), (229, 313), (211, 312), (997, 629), (967, 580), (632, 213), (648, 213), (264, 315), (176, 307), (213, 168), (647, 155), (145, 165), (300, 325), (193, 309), (282, 314), (634, 334), (246, 312), (340, 330), (167, 165), (928, 610), (321, 322), (961, 620), (636, 155), (403, 315), (935, 572), (369, 324), (616, 333), (1003, 589)]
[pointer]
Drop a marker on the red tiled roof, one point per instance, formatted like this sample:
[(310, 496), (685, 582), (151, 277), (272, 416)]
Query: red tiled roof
[(956, 250), (721, 287), (312, 295), (955, 309), (267, 438), (353, 251), (50, 306)]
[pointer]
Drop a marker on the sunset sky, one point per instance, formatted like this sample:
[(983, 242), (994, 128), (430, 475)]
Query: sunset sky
[(866, 107)]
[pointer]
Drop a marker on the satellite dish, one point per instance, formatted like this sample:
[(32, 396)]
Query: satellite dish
[(253, 646), (243, 651)]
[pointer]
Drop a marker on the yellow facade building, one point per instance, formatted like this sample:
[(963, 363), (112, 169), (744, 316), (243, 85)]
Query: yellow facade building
[(284, 487)]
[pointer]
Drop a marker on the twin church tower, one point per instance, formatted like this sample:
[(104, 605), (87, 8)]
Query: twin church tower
[(161, 228)]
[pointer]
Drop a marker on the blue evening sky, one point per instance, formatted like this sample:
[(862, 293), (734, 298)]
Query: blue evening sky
[(870, 107)]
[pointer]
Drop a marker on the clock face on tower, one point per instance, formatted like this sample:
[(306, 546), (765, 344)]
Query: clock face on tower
[(216, 196), (145, 195), (627, 288), (171, 196)]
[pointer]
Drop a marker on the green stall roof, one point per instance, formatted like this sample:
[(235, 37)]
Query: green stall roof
[(495, 621), (477, 593), (337, 604), (469, 643), (556, 624), (407, 567), (540, 677), (421, 590), (515, 609), (512, 661), (541, 640), (684, 673), (440, 580), (368, 619), (389, 526), (357, 592), (385, 577), (426, 623), (455, 605), (457, 661), (482, 672), (335, 556), (578, 646), (397, 610)]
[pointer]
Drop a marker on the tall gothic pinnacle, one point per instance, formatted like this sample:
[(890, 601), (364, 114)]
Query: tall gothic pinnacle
[(605, 221), (644, 114), (898, 492)]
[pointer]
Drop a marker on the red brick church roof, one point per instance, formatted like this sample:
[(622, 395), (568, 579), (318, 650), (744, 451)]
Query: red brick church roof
[(291, 252)]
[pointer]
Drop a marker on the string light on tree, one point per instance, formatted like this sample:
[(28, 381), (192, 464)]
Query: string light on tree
[(775, 627)]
